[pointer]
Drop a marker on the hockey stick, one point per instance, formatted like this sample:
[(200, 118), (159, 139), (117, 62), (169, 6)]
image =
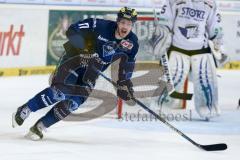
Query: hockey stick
[(211, 147)]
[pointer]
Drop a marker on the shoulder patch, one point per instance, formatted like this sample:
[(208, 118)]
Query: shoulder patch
[(126, 44)]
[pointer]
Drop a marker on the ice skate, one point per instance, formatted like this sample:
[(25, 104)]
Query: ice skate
[(18, 117), (36, 132)]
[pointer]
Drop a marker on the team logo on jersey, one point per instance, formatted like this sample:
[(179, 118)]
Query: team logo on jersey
[(109, 48), (126, 44), (194, 13), (190, 31)]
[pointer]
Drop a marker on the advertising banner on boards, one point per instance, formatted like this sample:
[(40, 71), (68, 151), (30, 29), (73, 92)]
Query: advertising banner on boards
[(97, 2), (23, 37), (135, 3), (25, 1), (63, 2)]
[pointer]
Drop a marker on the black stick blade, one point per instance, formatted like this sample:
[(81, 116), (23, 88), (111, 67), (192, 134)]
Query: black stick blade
[(214, 147), (184, 96)]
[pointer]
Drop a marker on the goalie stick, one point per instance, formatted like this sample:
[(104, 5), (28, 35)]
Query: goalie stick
[(172, 92), (211, 147)]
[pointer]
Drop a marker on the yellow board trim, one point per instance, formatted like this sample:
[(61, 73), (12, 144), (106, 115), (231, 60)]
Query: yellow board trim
[(26, 71), (234, 65)]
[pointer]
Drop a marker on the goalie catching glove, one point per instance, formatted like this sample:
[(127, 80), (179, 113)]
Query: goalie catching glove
[(125, 89)]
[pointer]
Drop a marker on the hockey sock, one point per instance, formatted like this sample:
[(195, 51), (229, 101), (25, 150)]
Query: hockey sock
[(44, 99), (57, 113)]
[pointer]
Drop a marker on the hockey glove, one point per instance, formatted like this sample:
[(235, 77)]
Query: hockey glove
[(125, 90), (219, 54), (223, 60)]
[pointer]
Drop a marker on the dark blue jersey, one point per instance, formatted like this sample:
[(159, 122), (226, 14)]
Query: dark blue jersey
[(106, 44), (103, 40)]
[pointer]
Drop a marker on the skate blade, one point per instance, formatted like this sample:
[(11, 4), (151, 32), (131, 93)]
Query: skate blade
[(14, 123), (32, 136)]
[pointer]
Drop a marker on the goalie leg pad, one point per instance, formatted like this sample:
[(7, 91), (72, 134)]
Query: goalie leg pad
[(205, 85), (179, 65)]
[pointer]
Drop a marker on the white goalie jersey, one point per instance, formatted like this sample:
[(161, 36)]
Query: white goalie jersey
[(193, 23)]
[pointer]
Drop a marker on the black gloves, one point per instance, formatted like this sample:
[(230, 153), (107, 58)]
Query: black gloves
[(125, 89)]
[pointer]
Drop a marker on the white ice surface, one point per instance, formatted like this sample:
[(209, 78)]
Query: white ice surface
[(110, 139)]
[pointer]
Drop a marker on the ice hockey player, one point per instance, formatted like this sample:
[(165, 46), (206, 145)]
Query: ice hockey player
[(99, 40), (192, 24)]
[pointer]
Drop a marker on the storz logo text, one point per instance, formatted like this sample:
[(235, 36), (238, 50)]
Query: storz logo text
[(193, 13)]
